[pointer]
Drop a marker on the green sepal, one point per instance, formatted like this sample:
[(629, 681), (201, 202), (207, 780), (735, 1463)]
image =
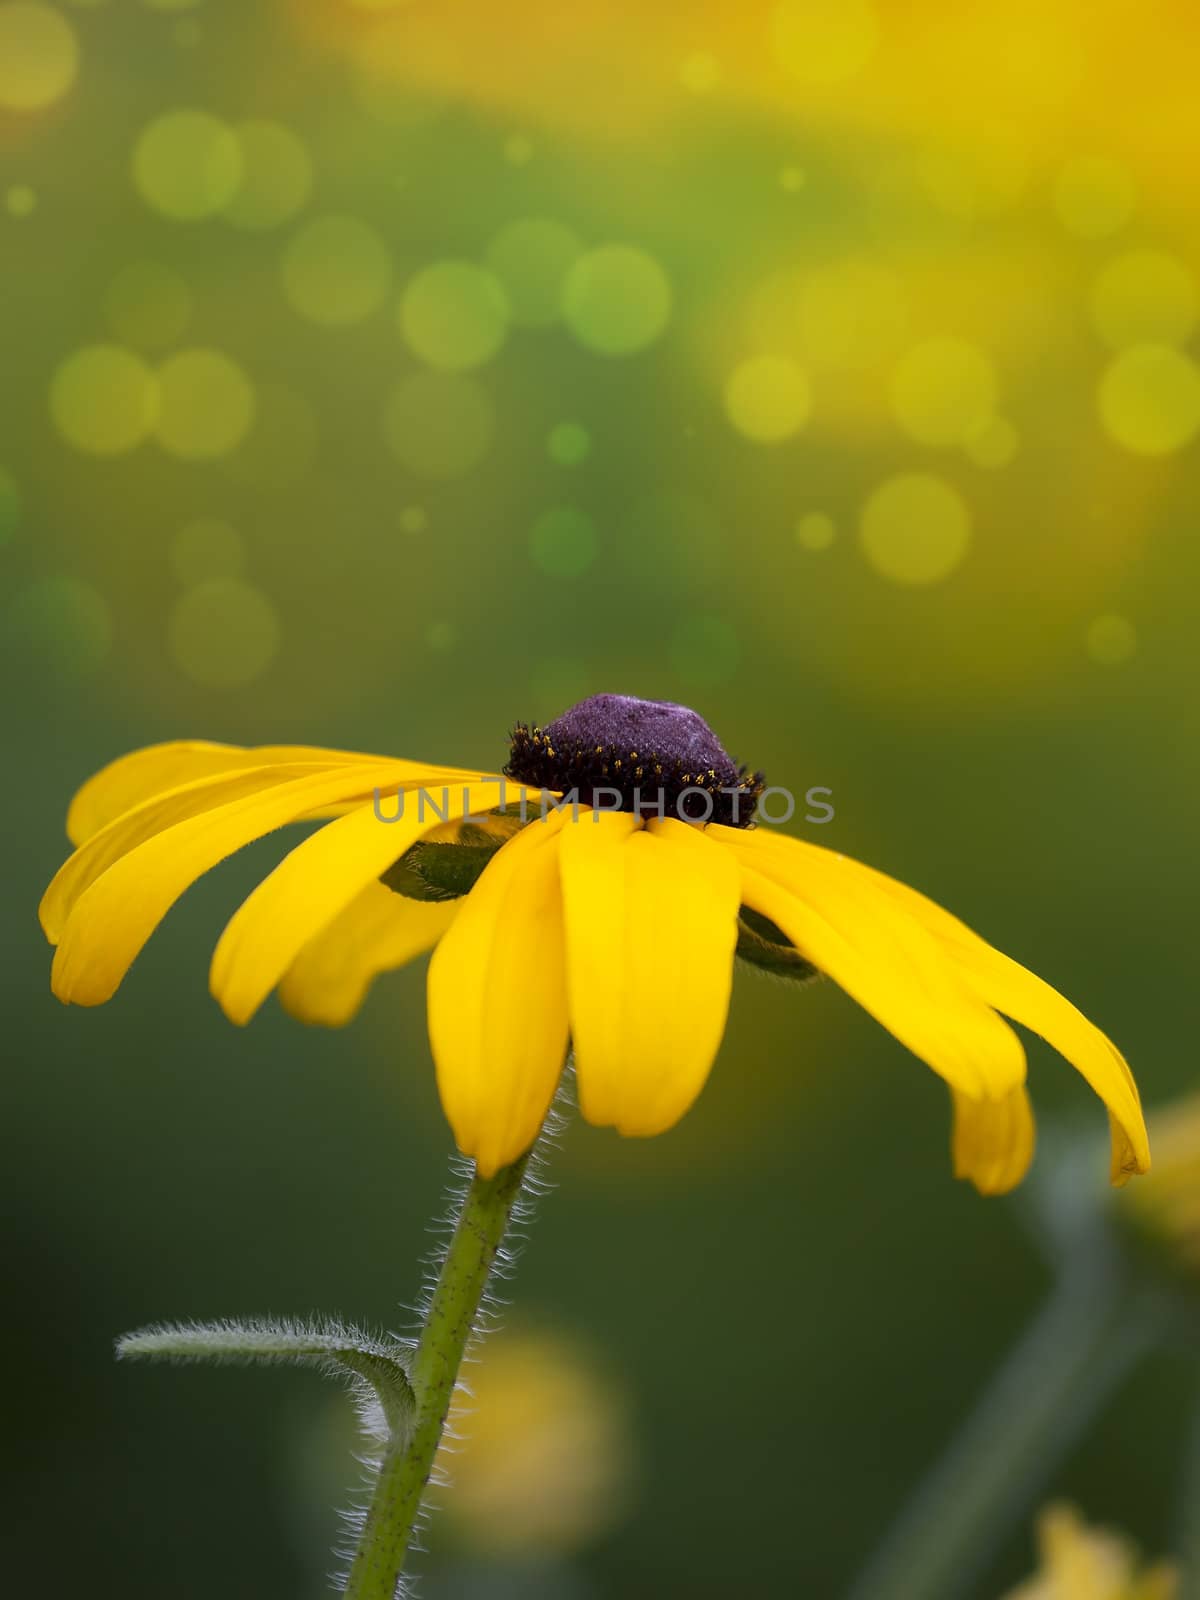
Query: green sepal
[(329, 1347), (766, 946), (437, 870)]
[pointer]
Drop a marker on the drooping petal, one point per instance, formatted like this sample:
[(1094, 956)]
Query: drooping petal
[(143, 774), (993, 1140), (651, 922), (884, 957), (313, 884), (113, 918), (377, 932), (141, 822), (1028, 999), (498, 1001)]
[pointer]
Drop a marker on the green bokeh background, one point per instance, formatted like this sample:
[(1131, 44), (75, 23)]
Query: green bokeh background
[(796, 1297)]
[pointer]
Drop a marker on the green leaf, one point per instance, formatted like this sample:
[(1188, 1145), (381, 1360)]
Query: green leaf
[(766, 946), (329, 1347)]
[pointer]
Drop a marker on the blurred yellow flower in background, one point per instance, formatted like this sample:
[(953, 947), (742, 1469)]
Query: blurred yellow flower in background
[(540, 1461), (1079, 1562)]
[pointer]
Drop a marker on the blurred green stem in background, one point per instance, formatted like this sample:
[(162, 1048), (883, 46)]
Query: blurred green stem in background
[(1093, 1328), (1188, 1511), (450, 1319)]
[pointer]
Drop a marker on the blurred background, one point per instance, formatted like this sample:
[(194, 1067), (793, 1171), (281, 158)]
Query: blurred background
[(376, 374)]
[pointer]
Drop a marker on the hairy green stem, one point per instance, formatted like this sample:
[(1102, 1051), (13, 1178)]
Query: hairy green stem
[(1077, 1349), (449, 1323)]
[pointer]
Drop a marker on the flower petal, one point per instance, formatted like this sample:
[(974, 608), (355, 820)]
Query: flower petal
[(113, 918), (498, 1001), (154, 815), (853, 929), (993, 1140), (1028, 999), (143, 774), (377, 932), (312, 885), (651, 922)]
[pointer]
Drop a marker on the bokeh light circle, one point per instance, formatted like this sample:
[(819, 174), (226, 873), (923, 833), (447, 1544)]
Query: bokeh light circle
[(1111, 639), (148, 305), (1149, 399), (824, 42), (187, 165), (104, 399), (454, 315), (64, 621), (20, 200), (336, 270), (224, 634), (39, 56), (439, 424), (815, 530), (616, 300), (276, 180), (1094, 197), (206, 405), (1145, 297), (943, 391), (531, 257), (915, 528), (562, 542), (768, 398), (569, 444), (207, 548)]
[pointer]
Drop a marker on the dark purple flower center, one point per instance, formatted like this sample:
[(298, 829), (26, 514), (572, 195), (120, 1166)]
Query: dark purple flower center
[(646, 756)]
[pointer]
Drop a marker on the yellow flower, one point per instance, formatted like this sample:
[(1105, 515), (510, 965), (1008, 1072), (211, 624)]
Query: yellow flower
[(1166, 1211), (612, 928), (1082, 1563)]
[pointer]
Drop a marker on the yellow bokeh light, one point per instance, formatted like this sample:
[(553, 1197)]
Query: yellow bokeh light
[(224, 634), (148, 305), (824, 42), (1094, 197), (336, 271), (1145, 297), (850, 315), (104, 399), (993, 445), (207, 548), (439, 424), (915, 528), (65, 621), (943, 391), (616, 300), (1150, 399), (768, 398), (39, 56), (206, 405), (531, 257), (276, 176), (187, 165), (20, 200), (518, 150), (816, 530), (1111, 639), (454, 315)]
